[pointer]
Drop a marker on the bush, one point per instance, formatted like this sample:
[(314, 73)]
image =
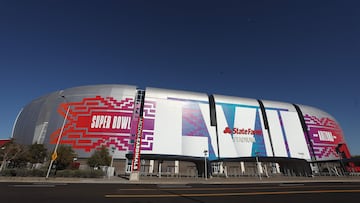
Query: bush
[(59, 173), (38, 172), (100, 157), (80, 173), (8, 172), (65, 157), (24, 172)]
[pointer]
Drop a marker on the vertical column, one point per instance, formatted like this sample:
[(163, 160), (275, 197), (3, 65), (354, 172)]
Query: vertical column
[(277, 166), (139, 109), (160, 166), (151, 167), (176, 168), (242, 168)]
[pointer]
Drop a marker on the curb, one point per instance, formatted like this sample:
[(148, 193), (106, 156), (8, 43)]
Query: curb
[(154, 180)]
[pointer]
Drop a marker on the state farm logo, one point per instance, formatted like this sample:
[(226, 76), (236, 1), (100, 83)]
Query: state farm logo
[(243, 135), (242, 131)]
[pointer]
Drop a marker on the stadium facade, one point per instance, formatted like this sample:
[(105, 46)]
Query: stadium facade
[(175, 132)]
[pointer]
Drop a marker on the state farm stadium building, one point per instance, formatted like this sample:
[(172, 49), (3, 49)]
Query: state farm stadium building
[(171, 132)]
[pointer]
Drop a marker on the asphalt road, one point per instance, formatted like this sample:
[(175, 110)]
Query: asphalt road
[(147, 193)]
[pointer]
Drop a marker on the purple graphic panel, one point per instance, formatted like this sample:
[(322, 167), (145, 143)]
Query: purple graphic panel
[(325, 135)]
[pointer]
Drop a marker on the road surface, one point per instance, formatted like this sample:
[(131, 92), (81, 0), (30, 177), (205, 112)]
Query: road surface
[(171, 193)]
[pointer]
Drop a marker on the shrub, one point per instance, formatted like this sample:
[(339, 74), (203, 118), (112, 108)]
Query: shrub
[(23, 172), (59, 173), (80, 173)]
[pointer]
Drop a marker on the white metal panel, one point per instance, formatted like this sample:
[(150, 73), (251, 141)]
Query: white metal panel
[(278, 105), (226, 145), (194, 146), (125, 90), (266, 136), (294, 135), (178, 94), (244, 119), (205, 111), (168, 127), (276, 133), (236, 100), (315, 111)]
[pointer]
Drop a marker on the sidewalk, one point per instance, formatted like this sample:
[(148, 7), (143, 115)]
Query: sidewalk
[(185, 180)]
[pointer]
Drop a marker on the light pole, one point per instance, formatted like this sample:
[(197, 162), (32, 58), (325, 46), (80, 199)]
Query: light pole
[(3, 162), (54, 155), (110, 170), (112, 156), (257, 164), (205, 166)]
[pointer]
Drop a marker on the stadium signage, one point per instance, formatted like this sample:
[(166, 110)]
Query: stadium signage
[(102, 121), (325, 136), (136, 158), (242, 131), (243, 135), (110, 122), (244, 139)]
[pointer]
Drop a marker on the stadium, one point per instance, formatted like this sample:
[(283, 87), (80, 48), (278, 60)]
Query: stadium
[(181, 133)]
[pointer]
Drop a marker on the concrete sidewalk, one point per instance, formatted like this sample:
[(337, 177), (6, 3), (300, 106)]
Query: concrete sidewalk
[(185, 180)]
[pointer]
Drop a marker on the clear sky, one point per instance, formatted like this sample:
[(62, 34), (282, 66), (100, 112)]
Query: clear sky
[(304, 52)]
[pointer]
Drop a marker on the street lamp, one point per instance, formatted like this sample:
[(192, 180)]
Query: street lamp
[(54, 155), (205, 168)]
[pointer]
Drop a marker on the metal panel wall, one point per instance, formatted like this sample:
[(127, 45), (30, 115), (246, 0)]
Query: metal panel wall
[(181, 123), (288, 137), (241, 129), (324, 131)]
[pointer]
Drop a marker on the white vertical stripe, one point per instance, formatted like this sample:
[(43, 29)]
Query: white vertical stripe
[(295, 135), (226, 145), (276, 133), (244, 119)]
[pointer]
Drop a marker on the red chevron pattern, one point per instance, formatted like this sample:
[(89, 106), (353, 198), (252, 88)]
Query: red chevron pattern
[(94, 122)]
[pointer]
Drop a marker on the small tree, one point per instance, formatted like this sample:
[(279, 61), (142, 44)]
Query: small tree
[(65, 156), (9, 152), (37, 153), (100, 157), (22, 159)]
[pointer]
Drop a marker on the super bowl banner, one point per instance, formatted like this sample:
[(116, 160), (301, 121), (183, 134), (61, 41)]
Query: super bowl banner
[(101, 121)]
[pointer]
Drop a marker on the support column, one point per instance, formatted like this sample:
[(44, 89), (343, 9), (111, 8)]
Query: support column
[(242, 168), (277, 166), (160, 163), (151, 167), (176, 168)]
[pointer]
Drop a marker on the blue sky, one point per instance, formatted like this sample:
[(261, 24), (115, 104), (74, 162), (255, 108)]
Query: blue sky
[(304, 52)]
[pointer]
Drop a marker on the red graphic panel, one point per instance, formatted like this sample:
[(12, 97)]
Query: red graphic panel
[(95, 122)]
